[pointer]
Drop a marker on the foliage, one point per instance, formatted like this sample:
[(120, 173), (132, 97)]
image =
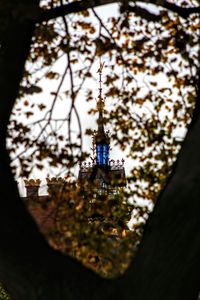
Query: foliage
[(77, 211), (3, 294), (151, 89), (83, 211), (138, 53)]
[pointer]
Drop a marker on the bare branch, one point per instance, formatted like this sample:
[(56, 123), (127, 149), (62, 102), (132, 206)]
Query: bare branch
[(73, 93), (73, 7), (184, 12), (144, 13), (79, 6), (57, 92)]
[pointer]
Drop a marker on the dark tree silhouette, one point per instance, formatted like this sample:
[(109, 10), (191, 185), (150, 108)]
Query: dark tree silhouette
[(167, 262)]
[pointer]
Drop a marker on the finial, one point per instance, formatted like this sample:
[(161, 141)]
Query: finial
[(100, 79)]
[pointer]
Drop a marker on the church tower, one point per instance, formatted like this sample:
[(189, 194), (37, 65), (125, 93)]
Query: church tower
[(106, 173)]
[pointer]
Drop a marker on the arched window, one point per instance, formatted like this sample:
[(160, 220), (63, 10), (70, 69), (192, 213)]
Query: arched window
[(102, 154)]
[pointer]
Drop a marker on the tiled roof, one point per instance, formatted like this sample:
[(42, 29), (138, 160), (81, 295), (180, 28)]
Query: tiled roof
[(42, 210)]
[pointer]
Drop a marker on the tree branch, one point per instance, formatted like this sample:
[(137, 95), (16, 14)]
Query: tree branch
[(144, 13), (73, 7), (79, 6), (184, 12)]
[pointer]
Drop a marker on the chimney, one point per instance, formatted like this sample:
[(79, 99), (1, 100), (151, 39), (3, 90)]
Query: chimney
[(32, 187), (55, 185)]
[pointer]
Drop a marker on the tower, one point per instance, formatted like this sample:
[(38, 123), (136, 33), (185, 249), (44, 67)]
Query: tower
[(107, 175), (101, 138)]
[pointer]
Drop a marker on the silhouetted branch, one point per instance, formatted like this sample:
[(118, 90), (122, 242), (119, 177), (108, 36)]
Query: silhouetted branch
[(79, 6), (184, 12)]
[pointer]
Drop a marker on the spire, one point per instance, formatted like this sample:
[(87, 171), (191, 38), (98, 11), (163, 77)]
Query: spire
[(101, 138), (100, 78), (104, 172), (100, 102)]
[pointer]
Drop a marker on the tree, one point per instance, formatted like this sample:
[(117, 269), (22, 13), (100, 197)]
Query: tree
[(28, 266)]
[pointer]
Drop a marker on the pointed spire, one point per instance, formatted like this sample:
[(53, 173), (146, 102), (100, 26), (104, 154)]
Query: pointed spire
[(100, 102), (101, 135), (101, 138), (101, 65)]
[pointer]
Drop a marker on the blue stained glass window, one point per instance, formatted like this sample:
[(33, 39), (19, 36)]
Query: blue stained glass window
[(105, 154), (102, 154)]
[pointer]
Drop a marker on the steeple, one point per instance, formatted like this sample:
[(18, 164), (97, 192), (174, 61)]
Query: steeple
[(106, 173), (101, 138), (100, 102)]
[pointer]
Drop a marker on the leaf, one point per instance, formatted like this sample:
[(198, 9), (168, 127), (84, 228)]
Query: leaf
[(41, 106), (52, 75), (33, 89)]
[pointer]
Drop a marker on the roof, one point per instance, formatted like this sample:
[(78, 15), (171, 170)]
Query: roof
[(110, 175), (42, 210)]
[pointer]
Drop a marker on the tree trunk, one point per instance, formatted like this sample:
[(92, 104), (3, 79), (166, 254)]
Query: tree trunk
[(167, 262), (29, 268)]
